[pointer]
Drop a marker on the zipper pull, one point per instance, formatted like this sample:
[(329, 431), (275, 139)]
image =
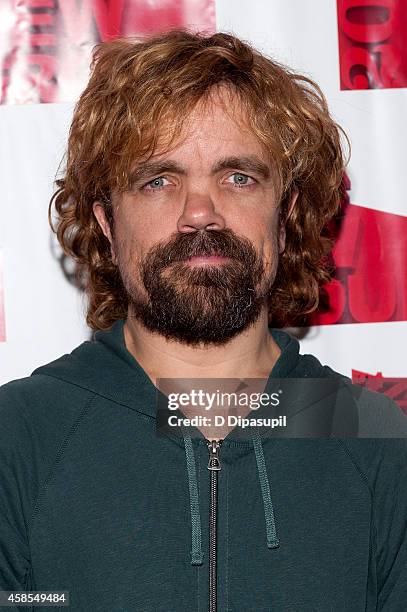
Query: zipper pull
[(214, 463)]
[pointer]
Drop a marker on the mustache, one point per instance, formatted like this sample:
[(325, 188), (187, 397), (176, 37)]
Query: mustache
[(222, 243)]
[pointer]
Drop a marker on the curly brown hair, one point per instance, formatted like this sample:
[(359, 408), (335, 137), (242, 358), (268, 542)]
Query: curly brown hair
[(139, 85)]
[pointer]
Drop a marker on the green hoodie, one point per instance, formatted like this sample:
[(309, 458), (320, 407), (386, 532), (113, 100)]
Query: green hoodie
[(95, 503)]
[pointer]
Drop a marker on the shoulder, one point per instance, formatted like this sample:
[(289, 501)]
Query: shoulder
[(380, 416), (377, 416), (378, 450), (36, 415), (38, 418), (38, 394)]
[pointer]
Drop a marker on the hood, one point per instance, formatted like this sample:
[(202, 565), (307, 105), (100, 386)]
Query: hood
[(106, 368), (95, 364), (107, 353)]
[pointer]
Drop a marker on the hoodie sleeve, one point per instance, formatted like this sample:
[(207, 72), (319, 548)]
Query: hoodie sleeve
[(382, 465), (391, 527), (381, 418), (36, 416), (17, 485)]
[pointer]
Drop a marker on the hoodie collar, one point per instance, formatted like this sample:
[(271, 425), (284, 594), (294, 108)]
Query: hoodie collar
[(94, 364)]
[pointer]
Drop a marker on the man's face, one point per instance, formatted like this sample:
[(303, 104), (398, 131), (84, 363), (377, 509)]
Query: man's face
[(213, 193)]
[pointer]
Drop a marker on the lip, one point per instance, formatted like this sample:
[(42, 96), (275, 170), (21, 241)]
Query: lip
[(207, 260)]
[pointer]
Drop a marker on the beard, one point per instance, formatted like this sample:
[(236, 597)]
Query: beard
[(198, 305)]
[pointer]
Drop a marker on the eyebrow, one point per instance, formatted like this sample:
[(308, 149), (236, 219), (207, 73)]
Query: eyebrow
[(148, 169), (249, 163)]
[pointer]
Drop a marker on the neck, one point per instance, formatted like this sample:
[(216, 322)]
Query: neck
[(251, 354)]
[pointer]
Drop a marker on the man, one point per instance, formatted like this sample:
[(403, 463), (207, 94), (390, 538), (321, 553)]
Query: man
[(200, 176)]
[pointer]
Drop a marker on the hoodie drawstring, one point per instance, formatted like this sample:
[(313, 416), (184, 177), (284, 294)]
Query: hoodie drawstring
[(271, 535), (272, 539), (196, 552)]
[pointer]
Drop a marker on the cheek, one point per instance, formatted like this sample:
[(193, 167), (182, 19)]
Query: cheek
[(270, 249), (128, 234), (271, 252), (140, 232), (273, 239), (125, 247)]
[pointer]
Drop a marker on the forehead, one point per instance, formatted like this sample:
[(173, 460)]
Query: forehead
[(217, 124)]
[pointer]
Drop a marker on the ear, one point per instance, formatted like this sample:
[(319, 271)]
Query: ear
[(282, 234), (99, 212)]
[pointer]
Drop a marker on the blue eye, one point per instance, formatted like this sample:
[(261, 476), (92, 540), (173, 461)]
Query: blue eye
[(155, 184), (240, 179)]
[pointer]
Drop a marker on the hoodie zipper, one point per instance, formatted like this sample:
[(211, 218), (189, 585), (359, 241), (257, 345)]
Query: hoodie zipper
[(214, 466)]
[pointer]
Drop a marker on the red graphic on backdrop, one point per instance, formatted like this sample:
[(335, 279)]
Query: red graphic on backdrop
[(372, 50), (370, 281), (395, 388), (45, 50)]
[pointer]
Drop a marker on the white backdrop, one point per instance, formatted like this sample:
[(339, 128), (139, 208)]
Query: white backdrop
[(45, 315)]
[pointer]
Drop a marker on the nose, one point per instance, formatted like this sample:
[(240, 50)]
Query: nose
[(199, 213)]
